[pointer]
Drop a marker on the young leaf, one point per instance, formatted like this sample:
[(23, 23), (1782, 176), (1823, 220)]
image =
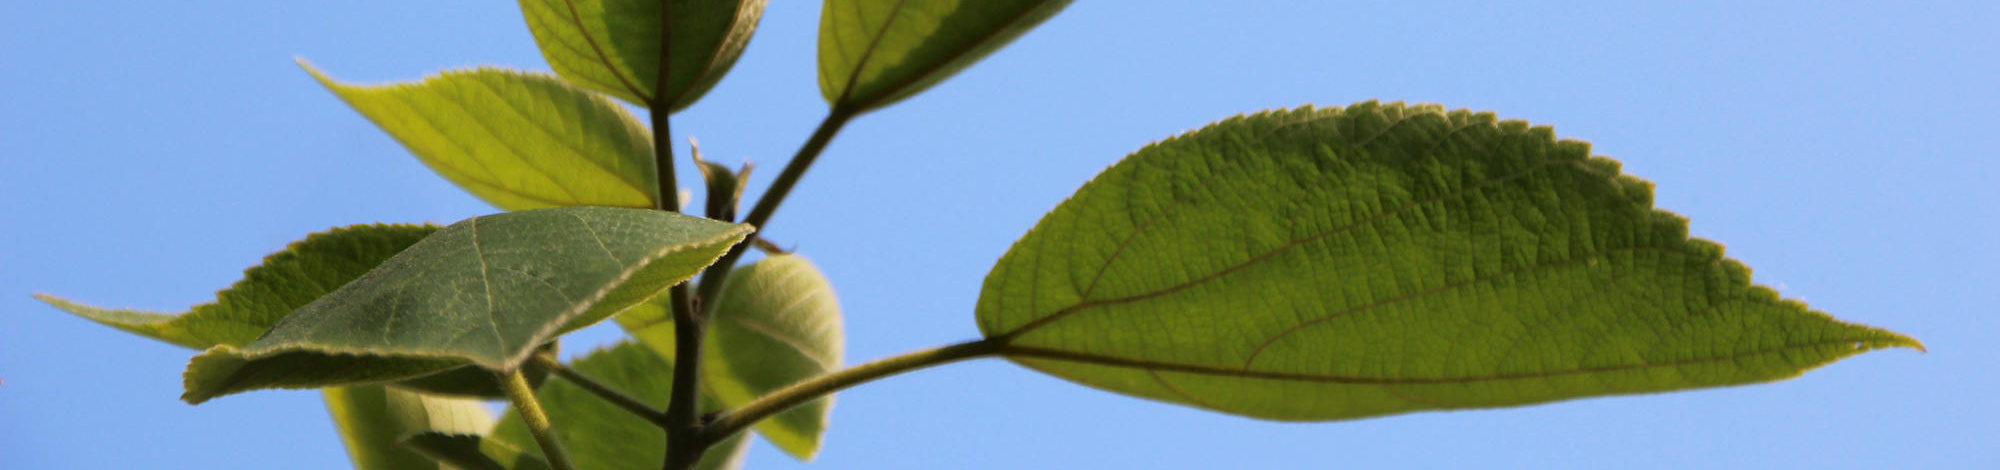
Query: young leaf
[(484, 291), (777, 323), (371, 419), (875, 53), (517, 140), (1321, 264), (286, 280), (613, 46), (599, 435)]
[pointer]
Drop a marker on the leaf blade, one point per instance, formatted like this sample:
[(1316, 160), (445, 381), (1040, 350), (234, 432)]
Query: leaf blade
[(516, 140), (600, 435), (613, 46), (777, 323), (459, 297), (1346, 263), (873, 54), (372, 418)]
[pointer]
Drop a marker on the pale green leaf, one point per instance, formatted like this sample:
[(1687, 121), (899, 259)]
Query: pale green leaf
[(873, 53), (602, 436), (372, 418), (517, 140), (1319, 264), (473, 452), (777, 323), (286, 280), (484, 291), (613, 46)]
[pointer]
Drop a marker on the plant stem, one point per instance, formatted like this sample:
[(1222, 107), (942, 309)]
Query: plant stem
[(767, 204), (812, 389), (524, 401), (549, 363)]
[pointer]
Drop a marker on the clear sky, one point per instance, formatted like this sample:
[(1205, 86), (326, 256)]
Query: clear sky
[(149, 151)]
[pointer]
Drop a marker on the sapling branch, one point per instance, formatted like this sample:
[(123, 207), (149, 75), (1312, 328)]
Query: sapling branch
[(800, 393), (712, 279), (604, 392), (523, 397)]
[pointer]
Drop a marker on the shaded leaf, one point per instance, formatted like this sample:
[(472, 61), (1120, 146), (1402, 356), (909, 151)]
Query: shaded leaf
[(777, 323), (613, 46), (484, 291), (725, 186), (874, 53), (1320, 264), (286, 280), (517, 140), (599, 435), (473, 452), (372, 418), (472, 380)]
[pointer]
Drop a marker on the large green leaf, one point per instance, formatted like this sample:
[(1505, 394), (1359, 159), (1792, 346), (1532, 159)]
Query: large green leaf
[(613, 46), (1321, 264), (599, 435), (286, 280), (484, 291), (517, 140), (873, 53), (777, 323), (372, 418)]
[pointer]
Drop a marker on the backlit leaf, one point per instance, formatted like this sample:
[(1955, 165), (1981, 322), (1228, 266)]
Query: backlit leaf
[(286, 280), (1320, 264), (473, 452), (777, 323), (371, 419), (873, 53), (599, 435), (485, 291), (613, 46), (517, 140)]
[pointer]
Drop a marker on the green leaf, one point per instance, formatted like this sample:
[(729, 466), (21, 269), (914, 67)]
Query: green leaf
[(517, 140), (599, 435), (473, 452), (874, 53), (286, 280), (371, 419), (777, 323), (484, 291), (613, 46), (1321, 264)]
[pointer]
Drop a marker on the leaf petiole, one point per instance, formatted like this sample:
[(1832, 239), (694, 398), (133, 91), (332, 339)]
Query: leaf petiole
[(610, 395), (741, 418), (523, 398)]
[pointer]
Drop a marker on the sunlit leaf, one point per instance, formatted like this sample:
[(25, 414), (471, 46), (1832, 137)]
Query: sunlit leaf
[(371, 419), (873, 53), (599, 435), (1319, 264), (777, 323), (517, 140), (485, 291), (286, 280), (613, 46)]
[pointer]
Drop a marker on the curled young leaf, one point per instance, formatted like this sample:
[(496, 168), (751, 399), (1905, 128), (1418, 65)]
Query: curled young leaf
[(875, 53), (613, 46), (485, 291), (516, 140), (1320, 264)]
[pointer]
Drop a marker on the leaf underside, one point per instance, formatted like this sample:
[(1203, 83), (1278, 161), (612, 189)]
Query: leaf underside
[(875, 53), (516, 140), (486, 291), (1322, 264), (371, 418), (613, 46), (777, 323), (599, 435)]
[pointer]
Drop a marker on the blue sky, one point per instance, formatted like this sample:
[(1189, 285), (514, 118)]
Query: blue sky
[(149, 151)]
